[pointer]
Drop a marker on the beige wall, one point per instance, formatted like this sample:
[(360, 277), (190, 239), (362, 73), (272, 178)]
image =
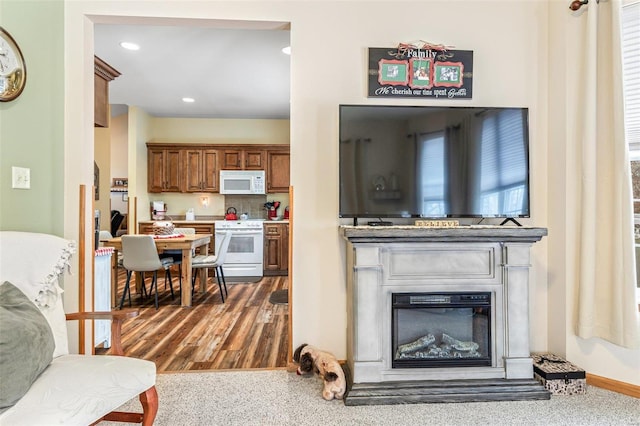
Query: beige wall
[(206, 130), (497, 81), (119, 146), (512, 47)]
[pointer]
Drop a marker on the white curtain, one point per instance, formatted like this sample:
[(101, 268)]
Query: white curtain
[(606, 262)]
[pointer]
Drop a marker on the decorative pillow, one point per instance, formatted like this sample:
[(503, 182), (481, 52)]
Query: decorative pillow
[(26, 344), (33, 262)]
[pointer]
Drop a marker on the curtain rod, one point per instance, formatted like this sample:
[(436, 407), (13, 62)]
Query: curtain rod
[(577, 4)]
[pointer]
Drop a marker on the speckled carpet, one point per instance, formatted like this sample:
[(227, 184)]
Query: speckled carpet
[(277, 397)]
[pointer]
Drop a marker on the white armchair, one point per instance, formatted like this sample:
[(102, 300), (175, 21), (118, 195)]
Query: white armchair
[(42, 384)]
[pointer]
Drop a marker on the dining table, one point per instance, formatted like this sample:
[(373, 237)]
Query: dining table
[(188, 244)]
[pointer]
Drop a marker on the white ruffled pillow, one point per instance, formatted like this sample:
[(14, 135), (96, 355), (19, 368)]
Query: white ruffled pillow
[(33, 262)]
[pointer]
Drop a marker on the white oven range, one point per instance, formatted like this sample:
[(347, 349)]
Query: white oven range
[(244, 261)]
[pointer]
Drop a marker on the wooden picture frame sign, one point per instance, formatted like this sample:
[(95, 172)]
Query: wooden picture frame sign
[(420, 71)]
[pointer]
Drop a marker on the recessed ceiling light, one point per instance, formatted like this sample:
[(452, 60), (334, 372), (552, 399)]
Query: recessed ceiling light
[(286, 50), (188, 100), (129, 46)]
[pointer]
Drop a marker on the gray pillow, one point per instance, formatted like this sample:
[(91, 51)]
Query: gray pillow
[(26, 344)]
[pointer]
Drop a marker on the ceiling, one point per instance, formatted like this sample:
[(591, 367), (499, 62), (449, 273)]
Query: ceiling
[(229, 72)]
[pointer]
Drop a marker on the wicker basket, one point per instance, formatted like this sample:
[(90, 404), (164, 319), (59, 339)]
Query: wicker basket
[(163, 228)]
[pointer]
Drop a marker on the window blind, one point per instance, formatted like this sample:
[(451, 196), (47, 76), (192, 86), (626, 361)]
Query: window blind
[(631, 73)]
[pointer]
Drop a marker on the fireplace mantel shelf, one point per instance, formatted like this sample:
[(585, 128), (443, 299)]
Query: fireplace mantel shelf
[(473, 233)]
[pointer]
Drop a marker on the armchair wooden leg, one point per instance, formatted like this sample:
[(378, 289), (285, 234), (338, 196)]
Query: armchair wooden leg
[(149, 401)]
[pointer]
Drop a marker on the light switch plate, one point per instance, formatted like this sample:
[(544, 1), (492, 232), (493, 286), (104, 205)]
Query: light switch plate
[(20, 178)]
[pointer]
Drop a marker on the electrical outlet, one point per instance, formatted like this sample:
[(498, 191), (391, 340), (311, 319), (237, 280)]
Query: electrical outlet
[(20, 178)]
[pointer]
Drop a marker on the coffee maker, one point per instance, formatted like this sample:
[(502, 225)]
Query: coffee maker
[(272, 209), (158, 210)]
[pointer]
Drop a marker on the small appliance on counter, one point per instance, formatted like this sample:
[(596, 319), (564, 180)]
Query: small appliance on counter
[(272, 209), (190, 215), (286, 212), (158, 210)]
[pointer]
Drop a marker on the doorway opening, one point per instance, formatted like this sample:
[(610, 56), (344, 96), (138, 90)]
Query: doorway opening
[(232, 82)]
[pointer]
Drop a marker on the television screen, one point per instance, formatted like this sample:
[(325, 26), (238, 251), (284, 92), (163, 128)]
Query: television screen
[(433, 162)]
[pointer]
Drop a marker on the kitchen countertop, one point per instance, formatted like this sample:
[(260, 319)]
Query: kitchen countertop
[(207, 220)]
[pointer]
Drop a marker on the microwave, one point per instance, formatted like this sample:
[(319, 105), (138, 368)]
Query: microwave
[(242, 182)]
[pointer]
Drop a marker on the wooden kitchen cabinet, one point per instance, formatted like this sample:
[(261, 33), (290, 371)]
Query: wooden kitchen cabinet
[(176, 167), (278, 171), (276, 248), (254, 159), (243, 159), (201, 170), (164, 170), (103, 74)]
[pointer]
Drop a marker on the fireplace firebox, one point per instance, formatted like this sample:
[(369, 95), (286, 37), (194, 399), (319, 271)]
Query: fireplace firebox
[(444, 329)]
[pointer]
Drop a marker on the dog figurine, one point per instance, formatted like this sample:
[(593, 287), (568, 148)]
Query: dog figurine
[(312, 360)]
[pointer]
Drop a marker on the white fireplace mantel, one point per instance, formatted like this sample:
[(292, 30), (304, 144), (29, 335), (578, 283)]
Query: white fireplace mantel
[(394, 259)]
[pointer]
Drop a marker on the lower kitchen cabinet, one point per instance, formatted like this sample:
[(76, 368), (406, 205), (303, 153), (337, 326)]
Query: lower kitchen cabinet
[(276, 248)]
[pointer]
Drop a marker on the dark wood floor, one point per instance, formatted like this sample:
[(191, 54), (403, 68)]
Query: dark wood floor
[(247, 331)]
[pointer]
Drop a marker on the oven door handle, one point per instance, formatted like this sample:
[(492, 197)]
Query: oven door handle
[(239, 232)]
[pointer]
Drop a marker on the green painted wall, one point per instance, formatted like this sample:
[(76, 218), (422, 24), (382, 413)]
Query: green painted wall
[(32, 126)]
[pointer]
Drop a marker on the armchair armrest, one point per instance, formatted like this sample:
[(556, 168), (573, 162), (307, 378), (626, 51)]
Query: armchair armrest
[(116, 317)]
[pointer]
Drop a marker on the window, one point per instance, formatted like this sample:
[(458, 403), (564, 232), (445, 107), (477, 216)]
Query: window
[(630, 41), (630, 33)]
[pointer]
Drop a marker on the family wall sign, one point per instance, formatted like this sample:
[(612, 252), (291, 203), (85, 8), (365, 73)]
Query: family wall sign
[(420, 70)]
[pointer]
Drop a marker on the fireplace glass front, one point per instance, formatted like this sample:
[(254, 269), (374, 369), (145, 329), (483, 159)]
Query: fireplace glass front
[(441, 329)]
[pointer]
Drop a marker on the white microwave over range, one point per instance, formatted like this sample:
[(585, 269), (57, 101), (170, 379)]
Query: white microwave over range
[(242, 182)]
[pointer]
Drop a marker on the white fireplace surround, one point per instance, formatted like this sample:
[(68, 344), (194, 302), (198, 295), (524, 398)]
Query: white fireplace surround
[(401, 259)]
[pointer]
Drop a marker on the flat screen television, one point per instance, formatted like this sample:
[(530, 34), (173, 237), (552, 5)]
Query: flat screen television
[(433, 162)]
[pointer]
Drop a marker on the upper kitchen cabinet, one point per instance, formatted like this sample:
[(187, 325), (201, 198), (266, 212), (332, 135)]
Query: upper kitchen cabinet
[(278, 171), (201, 170), (243, 159), (103, 74), (164, 170), (176, 167)]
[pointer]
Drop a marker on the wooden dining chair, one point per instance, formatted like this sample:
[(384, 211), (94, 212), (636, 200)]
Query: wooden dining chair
[(139, 254), (213, 262)]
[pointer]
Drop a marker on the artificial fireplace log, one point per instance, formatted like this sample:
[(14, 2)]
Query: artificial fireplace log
[(425, 348), (460, 345), (421, 343)]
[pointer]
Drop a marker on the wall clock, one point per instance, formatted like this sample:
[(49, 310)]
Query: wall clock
[(13, 72)]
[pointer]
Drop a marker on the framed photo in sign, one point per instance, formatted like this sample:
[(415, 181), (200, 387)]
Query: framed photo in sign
[(449, 74), (393, 72), (421, 73)]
